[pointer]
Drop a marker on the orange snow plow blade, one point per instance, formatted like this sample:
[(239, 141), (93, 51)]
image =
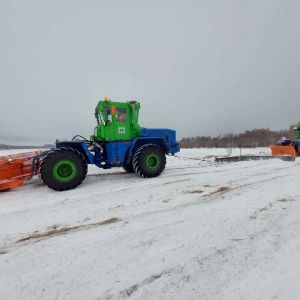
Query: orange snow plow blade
[(16, 169), (283, 150)]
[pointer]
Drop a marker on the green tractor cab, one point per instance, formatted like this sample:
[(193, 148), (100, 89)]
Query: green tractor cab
[(117, 121)]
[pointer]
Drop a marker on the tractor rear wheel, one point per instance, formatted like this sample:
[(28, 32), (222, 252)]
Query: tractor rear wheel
[(149, 161), (63, 169)]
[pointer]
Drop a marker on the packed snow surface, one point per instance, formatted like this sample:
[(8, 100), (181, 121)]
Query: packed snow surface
[(201, 230)]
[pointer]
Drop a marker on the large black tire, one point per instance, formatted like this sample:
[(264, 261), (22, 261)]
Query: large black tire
[(128, 167), (63, 169), (149, 161)]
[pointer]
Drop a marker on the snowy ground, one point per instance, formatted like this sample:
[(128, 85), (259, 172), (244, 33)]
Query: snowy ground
[(199, 231)]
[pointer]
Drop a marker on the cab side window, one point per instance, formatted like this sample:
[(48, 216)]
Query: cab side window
[(106, 113), (121, 115)]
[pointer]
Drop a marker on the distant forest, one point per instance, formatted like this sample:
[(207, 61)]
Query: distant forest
[(249, 138)]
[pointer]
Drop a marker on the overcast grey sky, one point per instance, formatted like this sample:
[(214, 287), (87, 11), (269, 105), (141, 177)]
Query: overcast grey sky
[(200, 67)]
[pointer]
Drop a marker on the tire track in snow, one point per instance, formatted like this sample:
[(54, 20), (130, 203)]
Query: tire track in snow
[(211, 196), (251, 251)]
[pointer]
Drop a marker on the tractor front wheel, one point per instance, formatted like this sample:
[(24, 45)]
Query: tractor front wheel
[(128, 167), (63, 169), (149, 161)]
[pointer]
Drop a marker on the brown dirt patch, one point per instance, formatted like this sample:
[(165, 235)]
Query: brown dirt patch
[(222, 189), (195, 192), (55, 230), (285, 200)]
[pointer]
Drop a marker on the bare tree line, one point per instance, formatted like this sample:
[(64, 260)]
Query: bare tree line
[(250, 138)]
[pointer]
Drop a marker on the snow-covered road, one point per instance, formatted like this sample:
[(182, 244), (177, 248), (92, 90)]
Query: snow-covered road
[(199, 231)]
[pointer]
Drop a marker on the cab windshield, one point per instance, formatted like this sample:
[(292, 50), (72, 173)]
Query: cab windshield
[(103, 117)]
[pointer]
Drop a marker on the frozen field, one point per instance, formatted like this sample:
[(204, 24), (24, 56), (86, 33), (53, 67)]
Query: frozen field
[(199, 231)]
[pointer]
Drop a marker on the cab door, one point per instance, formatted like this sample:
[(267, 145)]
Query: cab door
[(107, 129), (122, 124)]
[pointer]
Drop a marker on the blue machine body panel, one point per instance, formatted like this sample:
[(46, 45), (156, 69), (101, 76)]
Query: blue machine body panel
[(288, 142), (116, 153), (167, 137), (168, 134)]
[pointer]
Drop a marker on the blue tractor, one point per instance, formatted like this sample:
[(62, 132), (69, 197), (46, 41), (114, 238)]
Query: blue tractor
[(118, 141)]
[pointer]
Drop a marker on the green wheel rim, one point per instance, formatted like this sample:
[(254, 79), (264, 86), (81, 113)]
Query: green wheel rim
[(64, 170), (153, 161)]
